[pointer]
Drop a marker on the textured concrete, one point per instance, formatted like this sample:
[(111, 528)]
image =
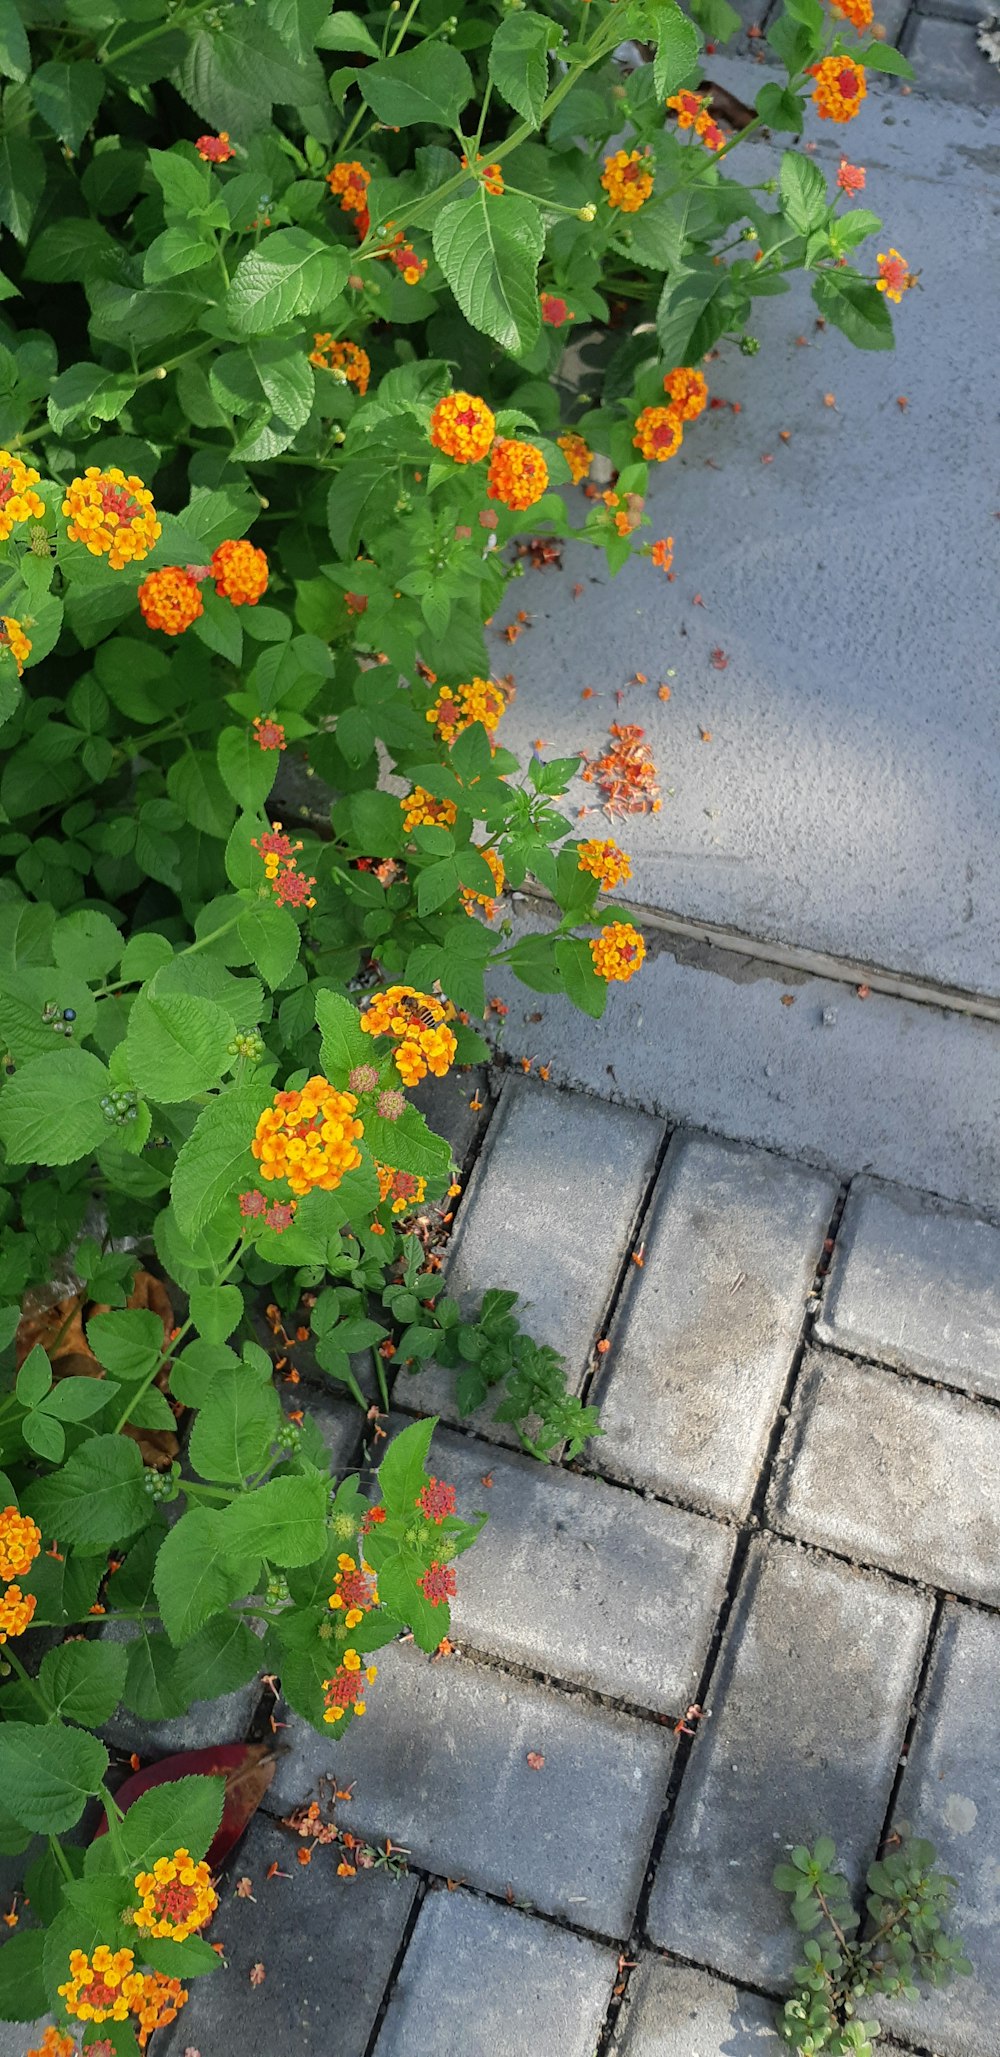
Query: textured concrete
[(446, 1104), (546, 1212), (806, 1713), (441, 1766), (327, 1946), (916, 1286), (951, 10), (584, 1582), (707, 1329), (874, 1085), (947, 61), (923, 1467), (670, 2011), (489, 1979), (951, 1794), (847, 801)]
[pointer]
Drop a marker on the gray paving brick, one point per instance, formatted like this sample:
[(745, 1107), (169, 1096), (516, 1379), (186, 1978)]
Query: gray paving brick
[(945, 58), (670, 2011), (446, 1104), (488, 1979), (584, 1581), (707, 1330), (327, 1946), (889, 18), (806, 1714), (953, 10), (922, 1467), (916, 1285), (440, 1765), (548, 1212), (951, 1794)]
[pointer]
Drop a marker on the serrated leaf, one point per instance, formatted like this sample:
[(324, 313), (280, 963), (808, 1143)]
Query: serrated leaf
[(84, 1681), (48, 1772), (290, 275), (430, 83), (176, 1045), (284, 1520), (519, 63), (182, 1813), (50, 1111), (97, 1499), (489, 247), (216, 1158), (235, 1427), (677, 48), (271, 934), (199, 1572)]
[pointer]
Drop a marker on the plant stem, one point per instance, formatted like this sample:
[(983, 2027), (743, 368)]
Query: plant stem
[(26, 1680), (57, 1851)]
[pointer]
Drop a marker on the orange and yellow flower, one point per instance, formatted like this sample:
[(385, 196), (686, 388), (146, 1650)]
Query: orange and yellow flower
[(349, 182), (354, 1588), (518, 473), (270, 735), (578, 454), (176, 1898), (113, 516), (688, 108), (418, 1022), (347, 362), (53, 2044), (618, 951), (659, 433), (215, 149), (471, 899), (240, 573), (16, 1612), (662, 553), (686, 390), (17, 500), (346, 1687), (627, 180), (309, 1137), (605, 862), (490, 174), (851, 177), (20, 1542), (463, 427), (98, 1988), (840, 86), (422, 810), (895, 277), (860, 13), (13, 638), (406, 1191), (457, 707), (170, 600), (405, 259), (155, 2000)]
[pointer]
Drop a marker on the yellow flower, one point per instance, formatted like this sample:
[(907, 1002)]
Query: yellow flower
[(577, 453), (113, 516), (98, 1989), (605, 862), (518, 473), (421, 810), (17, 501), (309, 1137), (16, 1611), (20, 1542), (176, 1897), (618, 951), (659, 433), (687, 391), (463, 427), (839, 89), (627, 180), (456, 708), (418, 1024)]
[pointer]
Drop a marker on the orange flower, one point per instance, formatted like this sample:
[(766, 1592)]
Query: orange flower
[(709, 132), (605, 862), (155, 2000), (54, 2044), (463, 427), (13, 638), (627, 180), (420, 810), (860, 13), (20, 1542), (309, 1137), (659, 432), (895, 276), (97, 1989), (471, 900), (240, 573), (348, 363), (491, 175), (618, 951), (577, 453), (687, 107), (406, 1191), (554, 310), (344, 1690), (270, 735), (113, 516), (457, 707), (851, 177), (518, 473), (16, 1611), (687, 391), (354, 1589), (215, 149), (17, 501), (662, 553), (176, 1898), (170, 600), (839, 89), (349, 182), (405, 259), (418, 1023)]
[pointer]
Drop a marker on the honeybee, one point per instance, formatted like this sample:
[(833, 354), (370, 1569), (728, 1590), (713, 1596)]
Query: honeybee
[(418, 1012)]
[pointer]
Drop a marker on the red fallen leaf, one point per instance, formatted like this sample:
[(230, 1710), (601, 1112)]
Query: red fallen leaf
[(247, 1768), (767, 458), (535, 1761), (719, 660), (863, 992)]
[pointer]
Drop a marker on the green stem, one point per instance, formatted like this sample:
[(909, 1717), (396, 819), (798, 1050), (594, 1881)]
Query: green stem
[(26, 1680), (61, 1858), (115, 1817), (167, 1355)]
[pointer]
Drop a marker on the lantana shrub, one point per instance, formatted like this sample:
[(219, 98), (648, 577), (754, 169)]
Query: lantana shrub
[(286, 293)]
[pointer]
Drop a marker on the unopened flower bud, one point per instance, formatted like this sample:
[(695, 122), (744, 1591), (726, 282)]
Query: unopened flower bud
[(363, 1079), (749, 345), (588, 213), (390, 1105)]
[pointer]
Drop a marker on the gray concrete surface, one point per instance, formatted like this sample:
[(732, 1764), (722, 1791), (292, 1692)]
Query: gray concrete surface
[(805, 1717), (917, 1286), (440, 1765), (707, 1329), (492, 1980), (848, 799), (923, 1467), (624, 1593), (671, 2011), (947, 61)]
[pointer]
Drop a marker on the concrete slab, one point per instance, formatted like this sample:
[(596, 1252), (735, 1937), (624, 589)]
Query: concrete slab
[(947, 60), (493, 1980), (951, 1794), (846, 801), (705, 1333), (923, 1467), (327, 1946), (670, 2011), (582, 1581), (806, 1713), (547, 1213), (441, 1766), (917, 1286), (702, 1036)]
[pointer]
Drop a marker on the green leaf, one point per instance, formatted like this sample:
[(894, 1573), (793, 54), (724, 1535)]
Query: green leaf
[(290, 275), (181, 249), (34, 1378), (67, 97), (583, 986), (883, 57), (489, 247), (128, 1341), (780, 108), (97, 1499), (284, 1520), (402, 1473), (23, 1992), (431, 84), (185, 182), (853, 305), (692, 315), (76, 1399), (216, 1161), (271, 934), (50, 1111), (86, 944), (195, 783), (408, 1144), (343, 30), (47, 1772), (22, 181), (176, 1045), (345, 1043), (199, 1571), (803, 193), (43, 1435), (15, 63), (84, 1681), (89, 395), (223, 1656), (235, 1427), (216, 1311), (182, 1813), (677, 48), (519, 63)]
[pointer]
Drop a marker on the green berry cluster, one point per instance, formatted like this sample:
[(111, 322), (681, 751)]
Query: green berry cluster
[(247, 1043), (120, 1106)]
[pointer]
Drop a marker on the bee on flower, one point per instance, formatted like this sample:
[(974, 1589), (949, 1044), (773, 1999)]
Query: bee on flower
[(111, 515), (418, 1024), (895, 277)]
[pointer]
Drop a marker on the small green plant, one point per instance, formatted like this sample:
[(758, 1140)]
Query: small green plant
[(904, 1940)]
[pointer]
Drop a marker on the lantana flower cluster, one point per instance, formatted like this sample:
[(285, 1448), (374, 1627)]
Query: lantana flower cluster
[(346, 1688), (309, 1137), (418, 1024), (176, 1898), (457, 707), (20, 1542)]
